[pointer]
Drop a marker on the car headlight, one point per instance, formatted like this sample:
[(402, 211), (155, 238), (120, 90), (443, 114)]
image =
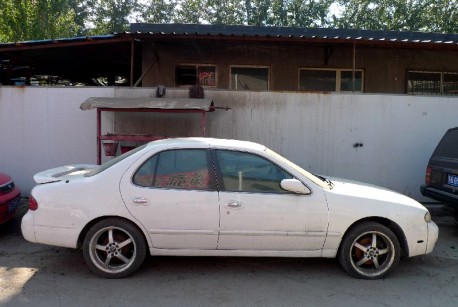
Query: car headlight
[(428, 217)]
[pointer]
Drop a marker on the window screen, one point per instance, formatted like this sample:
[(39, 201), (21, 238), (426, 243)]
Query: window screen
[(424, 83)]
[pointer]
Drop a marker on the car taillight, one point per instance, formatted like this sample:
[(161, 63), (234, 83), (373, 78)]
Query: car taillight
[(33, 205), (428, 175)]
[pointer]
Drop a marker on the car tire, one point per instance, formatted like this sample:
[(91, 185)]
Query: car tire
[(369, 251), (114, 248)]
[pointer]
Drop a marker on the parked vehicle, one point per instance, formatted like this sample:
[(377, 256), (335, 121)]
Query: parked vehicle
[(441, 181), (10, 196), (212, 197)]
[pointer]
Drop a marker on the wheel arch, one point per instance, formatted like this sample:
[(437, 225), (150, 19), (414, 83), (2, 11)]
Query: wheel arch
[(89, 225), (394, 227)]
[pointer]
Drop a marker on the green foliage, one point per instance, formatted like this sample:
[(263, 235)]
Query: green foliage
[(44, 19), (399, 15), (35, 19), (158, 11), (108, 16)]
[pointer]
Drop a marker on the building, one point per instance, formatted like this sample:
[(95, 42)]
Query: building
[(244, 58)]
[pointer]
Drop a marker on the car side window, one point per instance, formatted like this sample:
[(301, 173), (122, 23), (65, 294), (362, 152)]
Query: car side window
[(176, 169), (246, 172)]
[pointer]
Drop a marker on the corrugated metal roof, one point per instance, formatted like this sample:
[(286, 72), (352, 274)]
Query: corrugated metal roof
[(290, 32), (145, 30)]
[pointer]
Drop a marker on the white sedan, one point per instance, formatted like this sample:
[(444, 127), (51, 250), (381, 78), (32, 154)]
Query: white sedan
[(213, 197)]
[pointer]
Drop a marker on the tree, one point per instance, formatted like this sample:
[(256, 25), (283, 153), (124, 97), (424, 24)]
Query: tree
[(158, 11), (399, 15), (35, 19), (309, 13), (257, 12), (107, 16)]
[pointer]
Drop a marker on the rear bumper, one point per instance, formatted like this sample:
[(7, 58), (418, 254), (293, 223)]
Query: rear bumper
[(447, 198), (57, 236), (9, 205)]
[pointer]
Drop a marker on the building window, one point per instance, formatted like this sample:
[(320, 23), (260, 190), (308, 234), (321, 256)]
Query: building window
[(330, 80), (432, 83), (249, 78), (204, 75)]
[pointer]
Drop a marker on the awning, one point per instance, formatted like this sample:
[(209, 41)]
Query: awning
[(149, 103)]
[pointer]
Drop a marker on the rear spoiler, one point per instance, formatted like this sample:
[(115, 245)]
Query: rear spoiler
[(62, 173)]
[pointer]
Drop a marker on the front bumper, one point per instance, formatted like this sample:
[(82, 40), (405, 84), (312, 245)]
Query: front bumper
[(433, 235)]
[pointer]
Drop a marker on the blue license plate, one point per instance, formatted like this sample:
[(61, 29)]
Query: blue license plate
[(452, 180), (12, 205)]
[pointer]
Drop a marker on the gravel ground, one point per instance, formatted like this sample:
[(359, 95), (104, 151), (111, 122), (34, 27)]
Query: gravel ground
[(39, 275)]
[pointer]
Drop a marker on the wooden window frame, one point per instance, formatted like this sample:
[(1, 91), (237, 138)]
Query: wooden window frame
[(197, 76), (338, 72), (250, 66), (441, 85)]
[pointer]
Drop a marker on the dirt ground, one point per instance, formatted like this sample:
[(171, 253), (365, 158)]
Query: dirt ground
[(39, 275)]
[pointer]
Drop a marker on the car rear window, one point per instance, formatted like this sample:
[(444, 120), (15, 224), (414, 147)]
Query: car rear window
[(112, 162), (448, 146)]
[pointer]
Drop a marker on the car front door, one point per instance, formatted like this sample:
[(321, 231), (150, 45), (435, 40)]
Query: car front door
[(257, 214), (173, 195)]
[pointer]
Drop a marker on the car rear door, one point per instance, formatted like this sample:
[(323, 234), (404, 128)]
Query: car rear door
[(173, 195)]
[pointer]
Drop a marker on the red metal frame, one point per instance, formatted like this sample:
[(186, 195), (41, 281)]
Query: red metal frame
[(143, 137)]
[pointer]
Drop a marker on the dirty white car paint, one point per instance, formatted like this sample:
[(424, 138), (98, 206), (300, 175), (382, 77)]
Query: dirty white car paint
[(212, 197)]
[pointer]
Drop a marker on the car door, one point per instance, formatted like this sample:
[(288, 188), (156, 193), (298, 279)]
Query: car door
[(173, 195), (257, 214)]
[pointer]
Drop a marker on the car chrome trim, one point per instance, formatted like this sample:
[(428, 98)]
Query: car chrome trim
[(274, 233), (183, 232)]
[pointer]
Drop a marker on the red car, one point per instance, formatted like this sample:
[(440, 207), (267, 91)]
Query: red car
[(9, 198)]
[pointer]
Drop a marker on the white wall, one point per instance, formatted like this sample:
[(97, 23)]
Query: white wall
[(44, 127)]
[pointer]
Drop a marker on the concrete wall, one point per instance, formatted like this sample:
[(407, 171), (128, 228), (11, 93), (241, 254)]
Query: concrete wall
[(42, 128)]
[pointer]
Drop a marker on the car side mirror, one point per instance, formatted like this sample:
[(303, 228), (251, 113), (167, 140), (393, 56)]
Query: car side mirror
[(294, 185)]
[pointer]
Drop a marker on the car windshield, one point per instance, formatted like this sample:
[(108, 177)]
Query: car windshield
[(322, 183), (112, 162), (448, 146)]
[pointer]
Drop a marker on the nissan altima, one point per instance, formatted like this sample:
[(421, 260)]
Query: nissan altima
[(214, 197)]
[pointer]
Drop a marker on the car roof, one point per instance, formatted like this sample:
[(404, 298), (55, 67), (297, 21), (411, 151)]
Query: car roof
[(202, 142)]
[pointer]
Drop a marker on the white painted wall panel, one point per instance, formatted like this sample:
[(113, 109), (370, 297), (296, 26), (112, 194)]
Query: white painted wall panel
[(44, 127)]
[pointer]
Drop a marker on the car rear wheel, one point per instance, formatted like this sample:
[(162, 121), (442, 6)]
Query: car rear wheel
[(369, 251), (114, 248)]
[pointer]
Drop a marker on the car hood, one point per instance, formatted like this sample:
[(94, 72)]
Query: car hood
[(62, 173), (4, 178), (355, 189)]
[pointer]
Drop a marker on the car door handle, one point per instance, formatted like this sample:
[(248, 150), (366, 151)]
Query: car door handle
[(140, 201), (234, 204)]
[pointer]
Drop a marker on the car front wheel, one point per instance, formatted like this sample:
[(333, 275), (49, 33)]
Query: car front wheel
[(114, 248), (369, 251)]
